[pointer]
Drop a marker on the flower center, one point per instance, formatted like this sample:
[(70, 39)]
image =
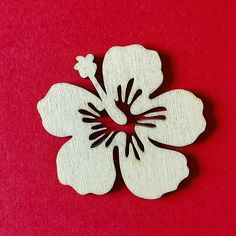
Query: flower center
[(105, 129)]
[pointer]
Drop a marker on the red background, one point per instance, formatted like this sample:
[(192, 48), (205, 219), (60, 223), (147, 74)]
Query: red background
[(39, 41)]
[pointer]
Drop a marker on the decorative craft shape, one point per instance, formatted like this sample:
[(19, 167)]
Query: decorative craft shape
[(130, 75)]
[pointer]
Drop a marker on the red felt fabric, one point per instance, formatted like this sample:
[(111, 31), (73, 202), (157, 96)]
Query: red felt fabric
[(39, 41)]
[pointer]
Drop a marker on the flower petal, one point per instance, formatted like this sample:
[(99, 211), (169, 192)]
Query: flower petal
[(184, 118), (87, 170), (157, 172), (59, 109), (121, 64)]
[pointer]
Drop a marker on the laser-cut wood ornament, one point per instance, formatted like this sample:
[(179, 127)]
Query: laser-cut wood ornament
[(130, 75)]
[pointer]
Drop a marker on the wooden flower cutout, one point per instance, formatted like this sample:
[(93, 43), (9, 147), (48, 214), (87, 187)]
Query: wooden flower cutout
[(130, 75)]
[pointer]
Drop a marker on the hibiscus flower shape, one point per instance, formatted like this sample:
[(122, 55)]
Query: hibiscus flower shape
[(123, 116)]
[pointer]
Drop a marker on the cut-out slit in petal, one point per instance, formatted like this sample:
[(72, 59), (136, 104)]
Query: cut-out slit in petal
[(119, 93), (110, 139), (93, 108), (88, 120), (88, 113), (139, 142), (153, 110), (99, 140), (99, 126), (158, 117), (96, 134), (128, 89), (136, 95)]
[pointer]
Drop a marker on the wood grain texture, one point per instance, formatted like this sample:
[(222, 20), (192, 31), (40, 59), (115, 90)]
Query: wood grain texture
[(130, 75)]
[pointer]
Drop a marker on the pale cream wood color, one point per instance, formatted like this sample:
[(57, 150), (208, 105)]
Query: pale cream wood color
[(148, 171)]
